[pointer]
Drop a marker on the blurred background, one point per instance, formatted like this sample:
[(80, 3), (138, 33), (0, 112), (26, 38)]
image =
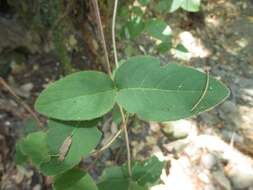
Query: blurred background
[(42, 41)]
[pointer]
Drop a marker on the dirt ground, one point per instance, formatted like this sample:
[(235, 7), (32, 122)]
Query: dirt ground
[(213, 151)]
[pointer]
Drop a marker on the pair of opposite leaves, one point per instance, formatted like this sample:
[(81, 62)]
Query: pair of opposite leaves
[(140, 85)]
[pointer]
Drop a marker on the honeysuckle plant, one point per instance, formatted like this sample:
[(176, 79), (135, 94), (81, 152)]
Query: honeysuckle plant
[(141, 85)]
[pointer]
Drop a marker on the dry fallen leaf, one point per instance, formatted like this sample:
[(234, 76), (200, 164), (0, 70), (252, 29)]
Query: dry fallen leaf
[(65, 148)]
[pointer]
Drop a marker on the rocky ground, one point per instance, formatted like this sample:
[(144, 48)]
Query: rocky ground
[(213, 151)]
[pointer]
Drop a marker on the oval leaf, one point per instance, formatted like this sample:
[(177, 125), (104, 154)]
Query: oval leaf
[(74, 179), (34, 146), (165, 93), (84, 137), (159, 29), (79, 96)]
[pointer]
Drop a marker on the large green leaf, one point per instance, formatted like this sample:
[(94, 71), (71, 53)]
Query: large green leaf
[(34, 146), (74, 179), (163, 93), (85, 137), (143, 174), (79, 96)]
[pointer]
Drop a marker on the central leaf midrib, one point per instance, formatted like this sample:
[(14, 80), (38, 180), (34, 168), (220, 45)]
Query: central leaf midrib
[(89, 94), (161, 90)]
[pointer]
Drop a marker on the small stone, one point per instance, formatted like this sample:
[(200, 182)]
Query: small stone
[(209, 161), (210, 187), (222, 180)]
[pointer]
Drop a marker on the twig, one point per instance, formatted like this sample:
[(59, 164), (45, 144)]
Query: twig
[(113, 33), (21, 102), (101, 31), (203, 94), (124, 125), (109, 143), (124, 121)]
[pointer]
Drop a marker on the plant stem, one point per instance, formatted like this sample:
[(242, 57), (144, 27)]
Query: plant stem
[(124, 125), (113, 33), (109, 143), (101, 31), (21, 102), (124, 121)]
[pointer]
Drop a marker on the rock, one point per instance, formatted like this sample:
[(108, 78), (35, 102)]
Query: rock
[(221, 179), (13, 35), (179, 129), (209, 161), (230, 113), (210, 187), (241, 176)]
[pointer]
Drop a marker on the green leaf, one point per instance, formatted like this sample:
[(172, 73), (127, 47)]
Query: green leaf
[(159, 29), (74, 179), (133, 28), (191, 5), (162, 6), (120, 183), (148, 172), (137, 11), (181, 52), (143, 174), (80, 96), (84, 136), (34, 146), (20, 156), (164, 47), (144, 2), (163, 93), (174, 4)]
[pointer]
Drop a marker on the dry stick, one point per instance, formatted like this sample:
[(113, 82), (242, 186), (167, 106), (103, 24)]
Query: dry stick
[(109, 143), (101, 31), (124, 121), (204, 92), (21, 102)]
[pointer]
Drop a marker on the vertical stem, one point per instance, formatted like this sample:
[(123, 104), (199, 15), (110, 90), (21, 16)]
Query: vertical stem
[(101, 31), (113, 33), (124, 122), (124, 125)]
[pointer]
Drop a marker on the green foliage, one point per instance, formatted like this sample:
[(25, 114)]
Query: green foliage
[(137, 21), (144, 174), (85, 136), (34, 148), (159, 29), (74, 179), (79, 96), (164, 93), (140, 85)]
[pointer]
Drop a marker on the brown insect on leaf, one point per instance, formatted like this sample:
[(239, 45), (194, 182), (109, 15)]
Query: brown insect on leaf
[(65, 148)]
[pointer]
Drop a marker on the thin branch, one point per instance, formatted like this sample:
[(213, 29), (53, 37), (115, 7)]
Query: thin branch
[(113, 33), (21, 102), (109, 143), (124, 125), (101, 31), (124, 121)]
